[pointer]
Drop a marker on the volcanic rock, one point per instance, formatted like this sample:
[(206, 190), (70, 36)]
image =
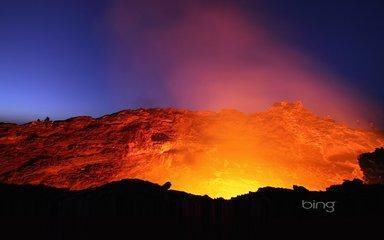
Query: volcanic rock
[(217, 153)]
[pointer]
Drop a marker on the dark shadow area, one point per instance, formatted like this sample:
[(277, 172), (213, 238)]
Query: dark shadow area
[(128, 208)]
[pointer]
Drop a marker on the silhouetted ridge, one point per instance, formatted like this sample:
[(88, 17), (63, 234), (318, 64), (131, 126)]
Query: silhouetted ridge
[(140, 208)]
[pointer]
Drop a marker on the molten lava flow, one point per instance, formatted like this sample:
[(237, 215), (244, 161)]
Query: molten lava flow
[(235, 153), (220, 154)]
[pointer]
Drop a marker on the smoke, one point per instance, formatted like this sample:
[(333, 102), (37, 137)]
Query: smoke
[(206, 55)]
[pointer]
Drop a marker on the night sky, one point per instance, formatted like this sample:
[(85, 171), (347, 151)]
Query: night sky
[(75, 57)]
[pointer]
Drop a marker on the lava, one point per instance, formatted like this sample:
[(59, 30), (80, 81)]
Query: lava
[(222, 154)]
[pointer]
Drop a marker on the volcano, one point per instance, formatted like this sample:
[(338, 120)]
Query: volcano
[(221, 154)]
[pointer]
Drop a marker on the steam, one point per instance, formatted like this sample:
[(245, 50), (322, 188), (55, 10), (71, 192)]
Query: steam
[(212, 56)]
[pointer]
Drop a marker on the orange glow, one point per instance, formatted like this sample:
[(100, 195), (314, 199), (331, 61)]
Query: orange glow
[(207, 58), (231, 153), (212, 57), (221, 154)]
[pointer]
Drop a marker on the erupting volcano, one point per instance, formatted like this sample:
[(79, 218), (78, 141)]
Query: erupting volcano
[(221, 154)]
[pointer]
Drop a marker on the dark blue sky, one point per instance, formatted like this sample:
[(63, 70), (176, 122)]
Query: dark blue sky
[(77, 57)]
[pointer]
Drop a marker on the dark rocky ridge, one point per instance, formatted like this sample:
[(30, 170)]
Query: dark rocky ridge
[(138, 209)]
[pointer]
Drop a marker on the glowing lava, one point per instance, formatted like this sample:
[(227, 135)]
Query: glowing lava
[(221, 154)]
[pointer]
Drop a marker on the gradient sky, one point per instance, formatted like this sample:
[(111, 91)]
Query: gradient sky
[(77, 57)]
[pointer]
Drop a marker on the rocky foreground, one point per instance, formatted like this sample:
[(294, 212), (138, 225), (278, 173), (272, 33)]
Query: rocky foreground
[(135, 209), (222, 154)]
